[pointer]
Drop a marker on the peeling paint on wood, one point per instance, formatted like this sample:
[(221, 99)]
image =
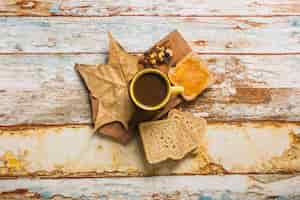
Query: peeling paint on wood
[(70, 151), (45, 89), (54, 143), (153, 7), (73, 34), (247, 104), (233, 187)]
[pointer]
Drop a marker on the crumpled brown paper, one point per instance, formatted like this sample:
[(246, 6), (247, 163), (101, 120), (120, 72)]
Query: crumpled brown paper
[(117, 131), (112, 108), (108, 88), (119, 57)]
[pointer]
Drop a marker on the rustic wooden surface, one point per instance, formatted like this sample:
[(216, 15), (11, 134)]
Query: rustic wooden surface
[(70, 151), (247, 88), (104, 8), (247, 35), (253, 47), (232, 187)]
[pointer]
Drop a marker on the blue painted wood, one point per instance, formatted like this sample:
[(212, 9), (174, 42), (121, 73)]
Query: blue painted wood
[(231, 187), (43, 89), (205, 35)]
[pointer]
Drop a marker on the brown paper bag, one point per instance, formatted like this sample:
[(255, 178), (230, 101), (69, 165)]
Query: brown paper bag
[(112, 108), (109, 94)]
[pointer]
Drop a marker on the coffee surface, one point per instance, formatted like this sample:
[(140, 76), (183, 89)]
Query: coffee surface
[(150, 89)]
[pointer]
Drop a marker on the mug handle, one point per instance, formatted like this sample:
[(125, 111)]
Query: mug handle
[(176, 90)]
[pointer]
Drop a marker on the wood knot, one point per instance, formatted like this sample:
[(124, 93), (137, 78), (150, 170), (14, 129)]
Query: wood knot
[(237, 27), (201, 43), (229, 45), (27, 4)]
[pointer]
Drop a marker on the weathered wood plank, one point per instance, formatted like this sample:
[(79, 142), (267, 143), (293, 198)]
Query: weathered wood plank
[(153, 7), (247, 104), (70, 151), (231, 187), (45, 89), (205, 35)]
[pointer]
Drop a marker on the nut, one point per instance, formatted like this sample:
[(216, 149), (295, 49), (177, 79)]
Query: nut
[(158, 55)]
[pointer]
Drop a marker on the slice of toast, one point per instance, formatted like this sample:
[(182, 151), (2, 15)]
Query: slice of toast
[(192, 74), (166, 139), (197, 126)]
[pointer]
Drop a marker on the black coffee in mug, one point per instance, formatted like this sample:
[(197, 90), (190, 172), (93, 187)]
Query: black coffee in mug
[(150, 89)]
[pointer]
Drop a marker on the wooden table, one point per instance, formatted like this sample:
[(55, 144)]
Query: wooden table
[(253, 109)]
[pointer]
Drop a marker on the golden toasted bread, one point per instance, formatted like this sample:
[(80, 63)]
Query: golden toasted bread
[(194, 124), (197, 126), (192, 74), (166, 139)]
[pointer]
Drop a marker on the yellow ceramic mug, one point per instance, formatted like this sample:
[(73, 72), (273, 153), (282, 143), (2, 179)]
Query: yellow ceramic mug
[(170, 90)]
